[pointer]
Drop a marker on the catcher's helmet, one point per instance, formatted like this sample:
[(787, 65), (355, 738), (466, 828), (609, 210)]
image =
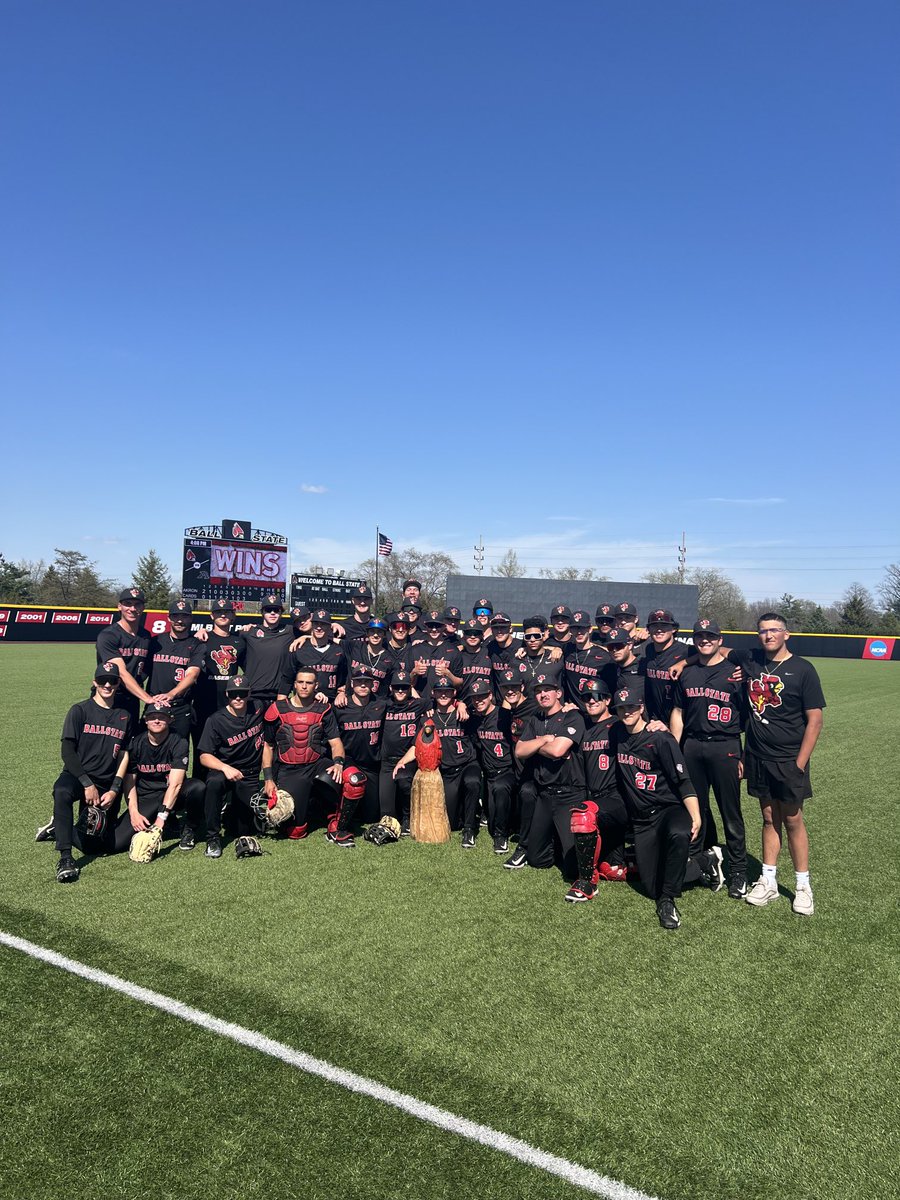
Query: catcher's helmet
[(92, 821), (387, 830)]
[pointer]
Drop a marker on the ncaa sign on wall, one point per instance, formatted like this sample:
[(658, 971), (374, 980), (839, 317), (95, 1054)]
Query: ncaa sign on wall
[(880, 649)]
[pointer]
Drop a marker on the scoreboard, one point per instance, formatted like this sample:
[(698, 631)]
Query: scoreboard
[(324, 591)]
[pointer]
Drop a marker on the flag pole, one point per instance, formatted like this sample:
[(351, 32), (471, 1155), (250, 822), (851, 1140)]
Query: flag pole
[(377, 539)]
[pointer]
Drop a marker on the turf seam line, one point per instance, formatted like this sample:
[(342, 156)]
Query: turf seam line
[(591, 1181)]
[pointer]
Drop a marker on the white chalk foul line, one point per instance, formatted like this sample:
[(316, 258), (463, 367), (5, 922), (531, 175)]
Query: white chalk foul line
[(600, 1185)]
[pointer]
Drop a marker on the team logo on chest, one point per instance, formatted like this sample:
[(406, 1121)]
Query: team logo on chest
[(224, 658), (765, 692)]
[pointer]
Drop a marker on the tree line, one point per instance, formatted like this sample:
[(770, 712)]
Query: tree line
[(72, 579)]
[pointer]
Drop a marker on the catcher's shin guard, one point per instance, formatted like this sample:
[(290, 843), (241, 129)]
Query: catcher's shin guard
[(353, 788), (587, 840)]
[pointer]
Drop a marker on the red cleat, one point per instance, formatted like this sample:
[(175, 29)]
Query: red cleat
[(612, 874), (297, 832), (580, 891)]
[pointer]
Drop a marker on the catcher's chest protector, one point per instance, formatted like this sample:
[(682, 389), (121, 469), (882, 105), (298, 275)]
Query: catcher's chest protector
[(301, 726)]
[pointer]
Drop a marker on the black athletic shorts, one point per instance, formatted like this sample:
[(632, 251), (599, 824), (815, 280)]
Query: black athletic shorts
[(777, 779)]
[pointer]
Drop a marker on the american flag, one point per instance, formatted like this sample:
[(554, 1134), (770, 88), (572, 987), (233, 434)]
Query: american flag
[(385, 545)]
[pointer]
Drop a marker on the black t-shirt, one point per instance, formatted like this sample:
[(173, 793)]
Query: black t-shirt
[(329, 663), (457, 748), (780, 695), (658, 687), (151, 764), (599, 761), (650, 770), (264, 653), (402, 723), (361, 726), (568, 771), (133, 649), (581, 668), (235, 741), (432, 656), (355, 630), (492, 739), (379, 663), (99, 736), (222, 656), (711, 702), (171, 659)]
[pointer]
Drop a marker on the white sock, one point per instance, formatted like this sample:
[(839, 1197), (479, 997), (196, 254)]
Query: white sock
[(803, 879), (769, 873)]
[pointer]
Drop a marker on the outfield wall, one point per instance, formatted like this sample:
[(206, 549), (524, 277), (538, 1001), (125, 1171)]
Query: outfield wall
[(39, 623)]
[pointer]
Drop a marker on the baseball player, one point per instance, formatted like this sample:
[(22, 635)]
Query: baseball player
[(95, 739), (318, 651), (540, 662), (605, 617), (127, 644), (626, 621), (157, 766), (368, 655), (402, 721), (662, 803), (495, 753), (296, 732), (360, 721), (356, 626), (476, 660), (177, 659), (560, 633), (265, 650), (612, 820), (552, 737), (660, 655), (706, 719), (231, 749), (397, 642), (515, 708), (583, 662), (434, 660), (223, 653)]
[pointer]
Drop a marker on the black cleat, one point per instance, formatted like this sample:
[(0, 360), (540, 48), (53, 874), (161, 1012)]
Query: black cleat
[(668, 913), (714, 875), (737, 887), (517, 860), (188, 839), (404, 829), (501, 843), (47, 832), (66, 871), (468, 839), (213, 847)]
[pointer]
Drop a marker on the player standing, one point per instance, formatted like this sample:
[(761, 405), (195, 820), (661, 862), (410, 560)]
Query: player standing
[(127, 644)]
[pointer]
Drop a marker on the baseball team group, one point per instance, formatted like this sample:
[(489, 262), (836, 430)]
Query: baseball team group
[(585, 742)]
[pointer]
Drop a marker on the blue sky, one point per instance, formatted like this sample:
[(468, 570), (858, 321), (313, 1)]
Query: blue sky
[(572, 278)]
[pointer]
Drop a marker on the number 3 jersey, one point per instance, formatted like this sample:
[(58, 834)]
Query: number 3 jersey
[(650, 769), (711, 702)]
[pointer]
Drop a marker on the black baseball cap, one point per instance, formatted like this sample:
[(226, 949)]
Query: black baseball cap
[(631, 692), (107, 670), (561, 612), (378, 623), (361, 673), (400, 679), (411, 583), (434, 618), (321, 617), (508, 679), (661, 616), (132, 595), (500, 618), (363, 592), (237, 685), (482, 604), (158, 710), (221, 606), (452, 613), (411, 605), (271, 601), (181, 608), (580, 620), (443, 685), (397, 618), (596, 690), (706, 626), (605, 614), (472, 627), (300, 614), (480, 687), (617, 638), (626, 609)]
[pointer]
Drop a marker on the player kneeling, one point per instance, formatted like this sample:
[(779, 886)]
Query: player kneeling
[(586, 833), (231, 749)]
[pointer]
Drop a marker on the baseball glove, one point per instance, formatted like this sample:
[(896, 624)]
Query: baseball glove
[(387, 830), (247, 847), (145, 845), (280, 808), (92, 821)]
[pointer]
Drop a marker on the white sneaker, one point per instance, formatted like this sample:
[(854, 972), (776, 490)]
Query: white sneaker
[(763, 892), (803, 900)]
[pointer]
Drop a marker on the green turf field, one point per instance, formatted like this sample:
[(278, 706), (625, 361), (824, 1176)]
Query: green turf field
[(751, 1054)]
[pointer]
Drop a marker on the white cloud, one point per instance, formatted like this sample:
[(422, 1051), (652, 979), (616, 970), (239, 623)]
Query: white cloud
[(315, 489)]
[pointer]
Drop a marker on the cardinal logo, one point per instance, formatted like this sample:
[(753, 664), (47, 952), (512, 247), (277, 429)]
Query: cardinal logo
[(704, 623), (765, 692), (224, 658), (237, 530)]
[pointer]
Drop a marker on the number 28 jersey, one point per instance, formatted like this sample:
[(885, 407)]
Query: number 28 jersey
[(711, 702)]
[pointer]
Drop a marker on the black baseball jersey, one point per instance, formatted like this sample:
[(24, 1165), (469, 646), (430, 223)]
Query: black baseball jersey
[(457, 748), (650, 769), (658, 687), (402, 655), (581, 668), (568, 771), (355, 630), (379, 663), (265, 650), (474, 666), (93, 739), (151, 764), (329, 663), (539, 669), (779, 695), (599, 760), (432, 656), (492, 740), (171, 658), (235, 741), (711, 702), (402, 723), (133, 649), (361, 726), (222, 657)]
